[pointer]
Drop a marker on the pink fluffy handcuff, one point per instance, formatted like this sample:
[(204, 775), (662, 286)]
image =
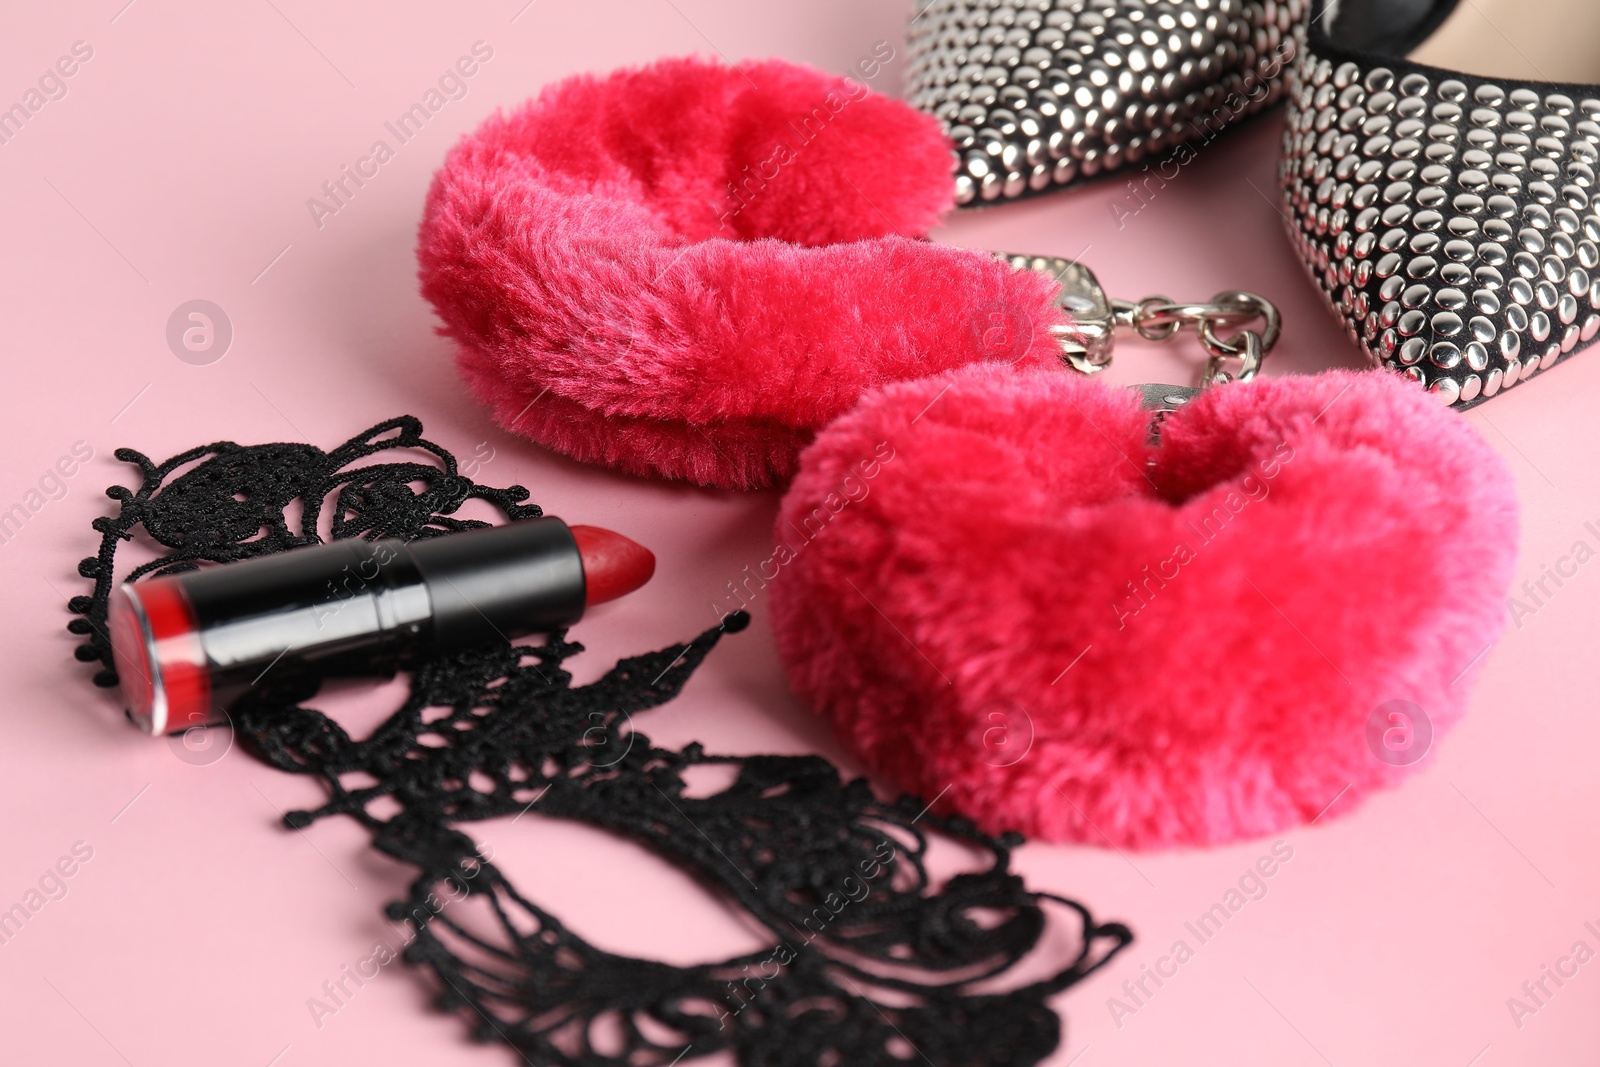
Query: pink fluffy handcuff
[(1088, 614)]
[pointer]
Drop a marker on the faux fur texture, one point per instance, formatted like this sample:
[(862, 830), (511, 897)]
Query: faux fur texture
[(983, 591), (688, 269)]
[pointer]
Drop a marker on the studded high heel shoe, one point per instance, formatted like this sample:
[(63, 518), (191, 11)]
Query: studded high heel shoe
[(1450, 217), (1037, 94)]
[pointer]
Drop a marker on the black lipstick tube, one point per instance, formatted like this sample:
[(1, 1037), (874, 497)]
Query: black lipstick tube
[(187, 645)]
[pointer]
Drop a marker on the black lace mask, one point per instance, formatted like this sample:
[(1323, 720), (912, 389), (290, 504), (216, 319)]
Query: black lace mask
[(869, 961)]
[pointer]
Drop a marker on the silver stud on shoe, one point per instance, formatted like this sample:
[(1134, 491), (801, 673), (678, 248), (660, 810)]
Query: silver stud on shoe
[(1449, 220), (1038, 94)]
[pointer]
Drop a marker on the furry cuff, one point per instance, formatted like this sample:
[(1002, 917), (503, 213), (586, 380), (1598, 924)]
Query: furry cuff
[(686, 270), (995, 601)]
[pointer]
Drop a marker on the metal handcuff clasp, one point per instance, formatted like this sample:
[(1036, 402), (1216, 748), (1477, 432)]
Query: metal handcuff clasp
[(1086, 342)]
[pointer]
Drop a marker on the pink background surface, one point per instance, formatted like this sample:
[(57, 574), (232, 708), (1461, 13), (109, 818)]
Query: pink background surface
[(178, 167)]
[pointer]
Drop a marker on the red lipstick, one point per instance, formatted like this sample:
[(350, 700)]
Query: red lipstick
[(187, 645)]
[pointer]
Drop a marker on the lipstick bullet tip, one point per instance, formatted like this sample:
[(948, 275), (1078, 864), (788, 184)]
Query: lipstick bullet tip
[(613, 565)]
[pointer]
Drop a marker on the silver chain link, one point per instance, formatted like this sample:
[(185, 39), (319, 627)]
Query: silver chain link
[(1237, 329), (1156, 318)]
